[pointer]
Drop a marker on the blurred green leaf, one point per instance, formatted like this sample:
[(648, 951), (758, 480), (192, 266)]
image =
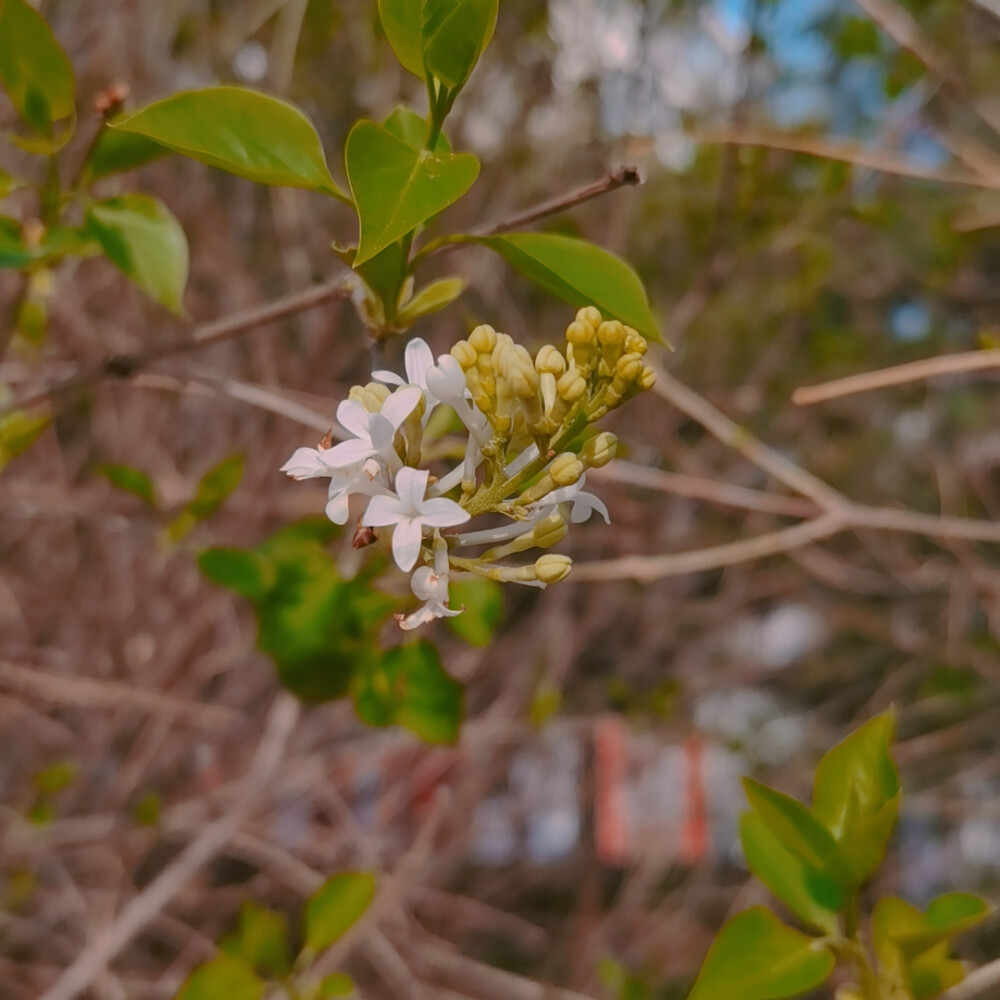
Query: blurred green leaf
[(898, 924), (262, 940), (239, 570), (793, 826), (337, 984), (147, 810), (34, 69), (131, 480), (336, 906), (14, 252), (406, 124), (55, 777), (579, 273), (756, 957), (116, 152), (455, 34), (401, 23), (397, 188), (141, 237), (430, 299), (409, 687), (225, 976), (483, 602), (18, 431), (8, 184), (856, 794), (933, 972), (216, 486), (245, 132), (809, 892)]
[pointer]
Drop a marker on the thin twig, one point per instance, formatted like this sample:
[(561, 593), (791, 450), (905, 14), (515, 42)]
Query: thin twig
[(281, 721), (206, 335), (949, 364)]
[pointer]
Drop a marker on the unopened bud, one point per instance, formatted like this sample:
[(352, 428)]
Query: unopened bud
[(580, 334), (565, 469), (550, 531), (599, 450), (629, 367), (483, 339), (571, 386), (590, 315), (647, 379), (549, 360), (373, 396), (357, 393), (635, 342), (553, 568), (465, 354), (611, 333)]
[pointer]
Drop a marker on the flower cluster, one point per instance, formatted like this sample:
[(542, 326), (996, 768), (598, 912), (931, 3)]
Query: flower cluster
[(518, 465)]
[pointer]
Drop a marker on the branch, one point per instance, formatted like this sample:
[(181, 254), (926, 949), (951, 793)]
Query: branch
[(950, 364), (205, 335), (89, 964)]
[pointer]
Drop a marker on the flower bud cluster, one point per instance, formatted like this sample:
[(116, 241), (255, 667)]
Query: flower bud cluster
[(522, 467)]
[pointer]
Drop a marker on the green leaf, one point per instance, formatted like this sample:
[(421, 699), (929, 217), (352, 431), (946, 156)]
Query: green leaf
[(336, 906), (247, 133), (856, 794), (483, 602), (9, 183), (756, 957), (579, 273), (215, 487), (406, 124), (455, 33), (55, 777), (241, 570), (131, 480), (34, 69), (793, 825), (224, 976), (397, 188), (141, 237), (18, 431), (14, 252), (337, 984), (263, 940), (430, 299), (955, 912), (401, 23), (409, 687), (116, 152), (934, 972), (809, 892), (898, 924)]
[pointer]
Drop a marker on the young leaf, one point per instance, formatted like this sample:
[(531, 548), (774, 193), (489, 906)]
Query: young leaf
[(407, 125), (34, 69), (430, 299), (579, 273), (14, 252), (247, 133), (793, 825), (337, 984), (18, 431), (397, 188), (241, 570), (483, 602), (130, 480), (336, 906), (856, 794), (896, 923), (455, 33), (141, 237), (809, 892), (933, 972), (401, 23), (116, 152), (263, 940), (756, 957), (224, 976), (409, 687), (215, 486), (9, 183)]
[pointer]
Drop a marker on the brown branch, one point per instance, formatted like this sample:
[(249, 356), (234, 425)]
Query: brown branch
[(205, 335), (949, 364)]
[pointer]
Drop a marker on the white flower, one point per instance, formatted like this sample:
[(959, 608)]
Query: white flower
[(410, 512), (431, 586), (446, 381), (584, 504), (418, 360), (366, 479), (306, 463), (372, 433)]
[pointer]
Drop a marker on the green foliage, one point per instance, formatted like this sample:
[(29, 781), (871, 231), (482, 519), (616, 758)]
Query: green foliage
[(401, 20), (130, 480), (261, 941), (247, 133), (454, 34), (578, 273), (408, 686), (224, 976), (483, 603), (430, 299), (335, 907), (35, 72), (396, 187), (14, 252), (404, 123), (141, 237), (18, 431), (116, 152), (213, 490), (337, 984), (55, 777), (756, 957)]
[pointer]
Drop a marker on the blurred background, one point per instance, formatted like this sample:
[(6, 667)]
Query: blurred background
[(820, 200)]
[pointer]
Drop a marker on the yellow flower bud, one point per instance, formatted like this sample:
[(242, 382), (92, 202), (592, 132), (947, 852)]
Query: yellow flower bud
[(629, 367), (571, 386), (357, 393), (549, 360), (483, 339), (611, 333), (580, 334), (590, 315), (599, 450), (635, 342), (565, 469), (647, 379), (552, 568), (465, 354), (549, 531), (374, 395)]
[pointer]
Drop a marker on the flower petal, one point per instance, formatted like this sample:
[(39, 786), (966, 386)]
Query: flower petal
[(389, 378), (418, 360), (353, 417), (305, 463), (411, 485), (424, 583), (382, 511), (338, 507), (406, 539), (440, 512), (446, 379), (401, 404), (348, 453), (584, 504)]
